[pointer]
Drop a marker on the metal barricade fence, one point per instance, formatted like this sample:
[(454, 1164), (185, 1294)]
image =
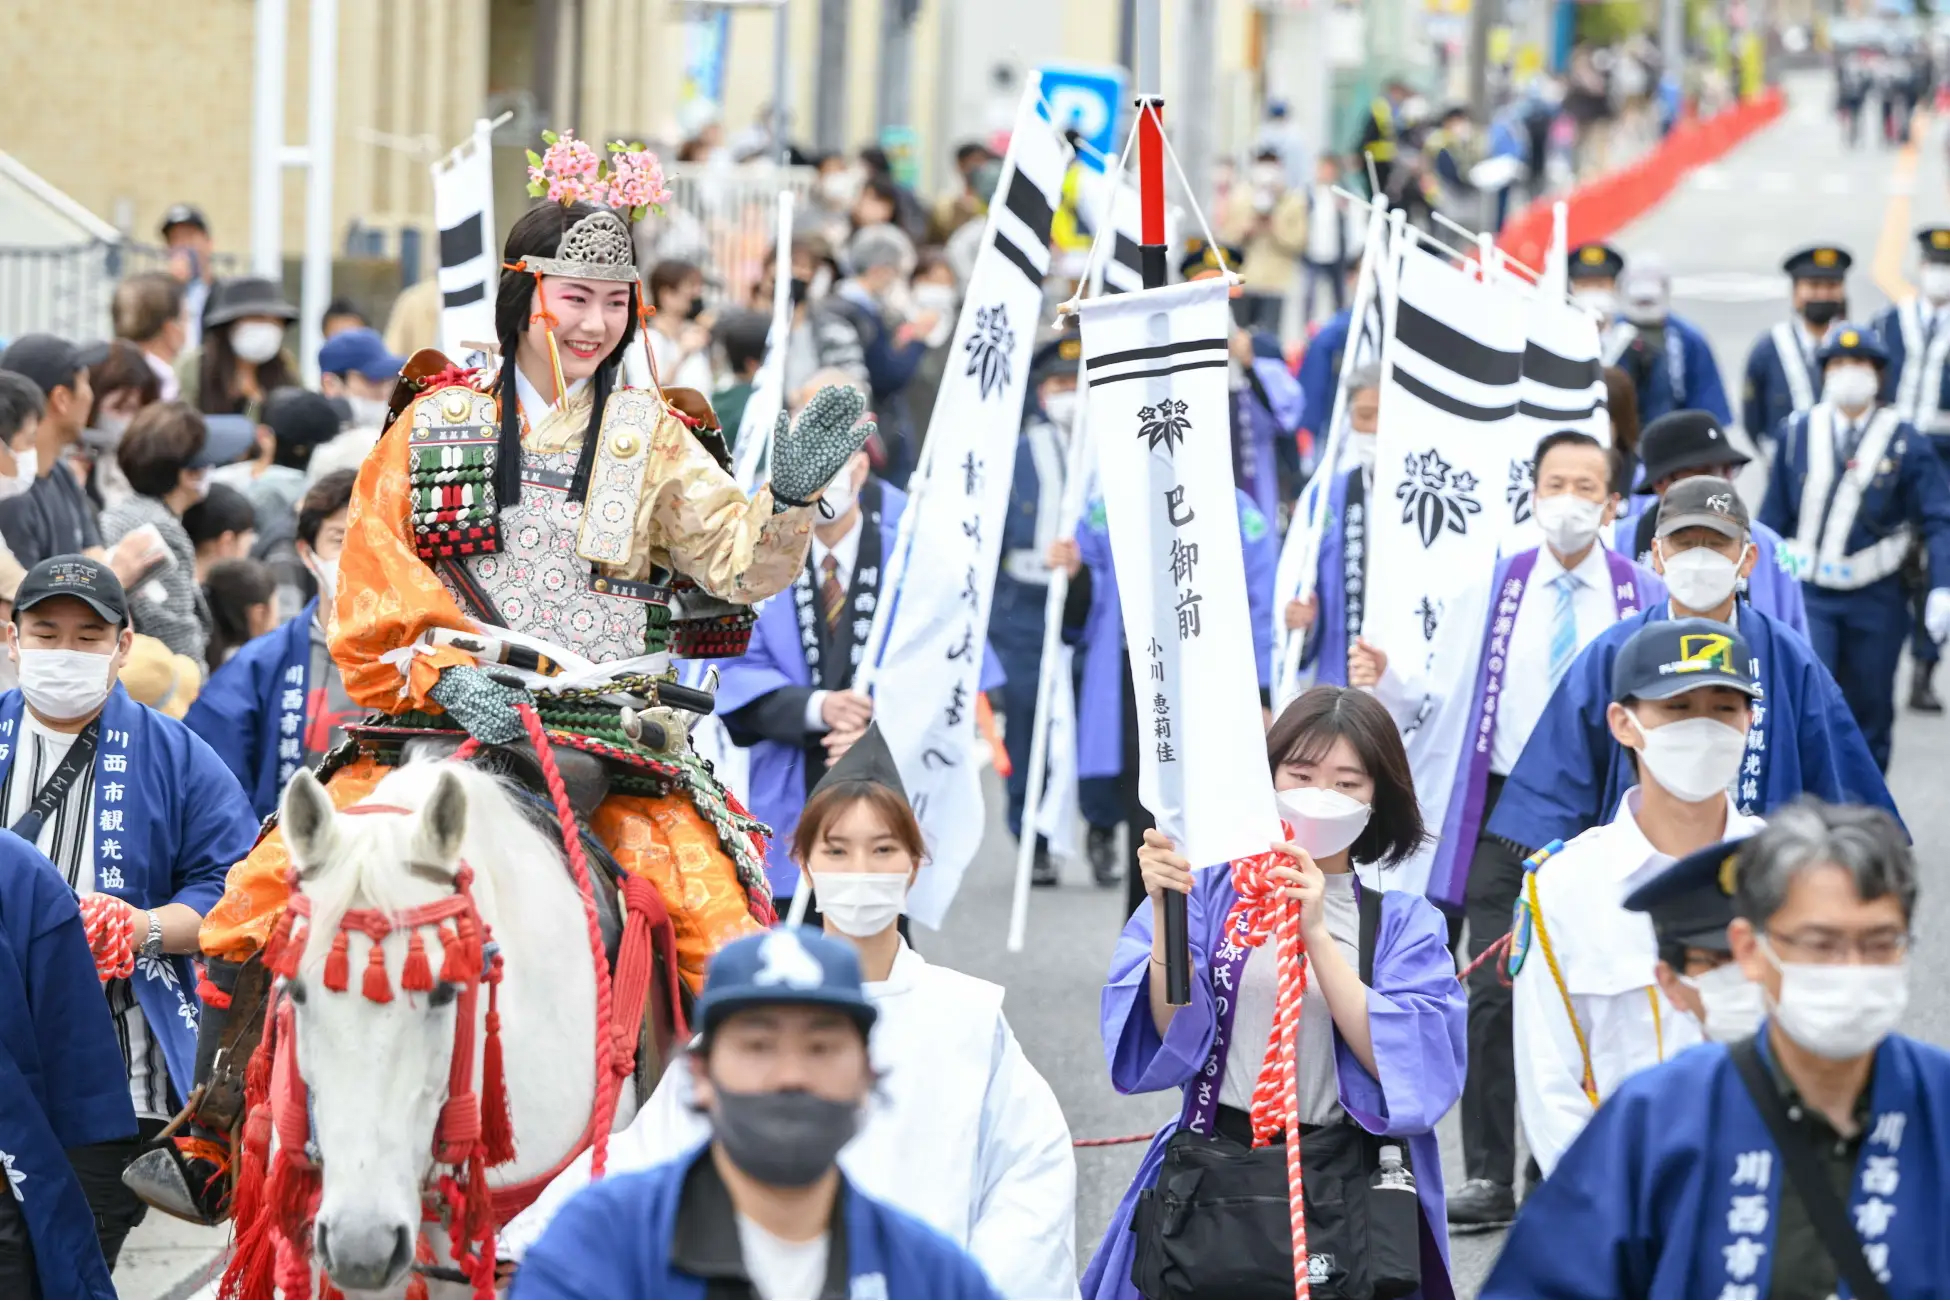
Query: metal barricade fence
[(67, 289), (725, 221)]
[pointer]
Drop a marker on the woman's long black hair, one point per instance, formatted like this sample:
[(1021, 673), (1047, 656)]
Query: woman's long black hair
[(216, 394), (538, 233)]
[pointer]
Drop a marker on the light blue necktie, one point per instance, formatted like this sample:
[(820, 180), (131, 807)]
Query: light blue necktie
[(1564, 626)]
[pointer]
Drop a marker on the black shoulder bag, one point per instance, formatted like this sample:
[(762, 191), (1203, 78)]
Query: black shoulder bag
[(1825, 1209), (1217, 1222)]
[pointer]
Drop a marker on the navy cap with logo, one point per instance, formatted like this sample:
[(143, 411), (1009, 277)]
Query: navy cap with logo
[(1685, 440), (1669, 657), (793, 966), (88, 581), (1855, 341), (1202, 259), (1818, 262), (1594, 262), (1058, 355), (1691, 901), (1935, 243), (1703, 501), (47, 359)]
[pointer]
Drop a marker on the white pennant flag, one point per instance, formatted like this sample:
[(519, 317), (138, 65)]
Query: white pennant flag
[(463, 209), (1563, 387), (931, 634), (1160, 417)]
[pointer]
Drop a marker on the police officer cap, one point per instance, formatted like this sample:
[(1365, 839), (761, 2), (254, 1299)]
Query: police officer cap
[(1203, 259), (1670, 657), (1057, 356), (1847, 340), (1595, 262), (793, 966), (1691, 901), (1820, 262), (1935, 243), (1685, 440)]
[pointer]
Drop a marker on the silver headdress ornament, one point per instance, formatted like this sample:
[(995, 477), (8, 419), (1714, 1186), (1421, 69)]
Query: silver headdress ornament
[(598, 247)]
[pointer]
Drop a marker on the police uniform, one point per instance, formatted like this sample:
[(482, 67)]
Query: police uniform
[(1668, 359), (1588, 1010), (1917, 384), (1851, 501), (1783, 373)]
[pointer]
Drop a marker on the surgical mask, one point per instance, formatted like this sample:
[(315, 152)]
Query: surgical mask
[(327, 574), (1734, 1004), (861, 904), (1602, 301), (111, 428), (785, 1140), (1570, 523), (1647, 313), (27, 465), (1700, 578), (839, 496), (256, 341), (368, 413), (1364, 449), (64, 684), (200, 485), (1268, 175), (1695, 758), (1061, 408), (1934, 281), (1838, 1010), (939, 298), (1823, 312), (1850, 388), (1321, 821)]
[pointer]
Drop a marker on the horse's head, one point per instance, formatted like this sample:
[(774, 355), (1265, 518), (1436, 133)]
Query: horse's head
[(377, 1071)]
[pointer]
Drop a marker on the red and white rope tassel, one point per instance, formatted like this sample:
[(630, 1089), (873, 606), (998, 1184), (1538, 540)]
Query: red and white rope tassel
[(1264, 909)]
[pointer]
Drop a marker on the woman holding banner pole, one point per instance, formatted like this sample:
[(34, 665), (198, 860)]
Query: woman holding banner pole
[(1378, 1043)]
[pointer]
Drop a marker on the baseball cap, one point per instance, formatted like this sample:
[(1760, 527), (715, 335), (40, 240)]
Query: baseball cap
[(793, 966), (1691, 901), (225, 439), (77, 576), (1703, 502), (49, 360), (360, 350), (184, 214), (1669, 657), (300, 418)]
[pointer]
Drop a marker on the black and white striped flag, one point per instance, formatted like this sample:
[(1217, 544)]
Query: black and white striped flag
[(1563, 388), (463, 208), (1123, 269)]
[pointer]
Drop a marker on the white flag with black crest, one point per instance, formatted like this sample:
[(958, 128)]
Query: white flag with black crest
[(463, 209), (927, 673), (1563, 388), (1451, 384), (1160, 418)]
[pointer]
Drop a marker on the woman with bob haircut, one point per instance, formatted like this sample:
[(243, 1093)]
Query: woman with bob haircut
[(963, 1132), (1386, 1055)]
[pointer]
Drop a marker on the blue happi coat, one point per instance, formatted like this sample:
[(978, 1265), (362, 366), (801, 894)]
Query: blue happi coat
[(253, 710), (1772, 587), (1328, 641), (1572, 773), (1674, 1187), (170, 820), (614, 1239), (1416, 1014), (1320, 373), (1100, 700), (1683, 376), (62, 1082), (1266, 413)]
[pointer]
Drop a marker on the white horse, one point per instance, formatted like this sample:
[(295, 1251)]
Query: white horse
[(377, 1072)]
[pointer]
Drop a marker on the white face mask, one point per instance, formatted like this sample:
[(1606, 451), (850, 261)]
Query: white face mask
[(1838, 1010), (327, 574), (1061, 408), (1934, 281), (1323, 822), (1570, 523), (1850, 388), (861, 904), (1734, 1004), (840, 494), (256, 341), (64, 684), (111, 427), (1267, 175), (1602, 301), (367, 413), (1364, 449), (26, 465), (1695, 758), (1701, 578)]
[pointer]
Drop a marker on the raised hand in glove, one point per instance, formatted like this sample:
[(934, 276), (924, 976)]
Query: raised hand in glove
[(483, 706), (808, 456)]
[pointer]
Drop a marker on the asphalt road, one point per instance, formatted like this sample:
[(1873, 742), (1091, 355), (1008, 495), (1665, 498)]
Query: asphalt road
[(1723, 233)]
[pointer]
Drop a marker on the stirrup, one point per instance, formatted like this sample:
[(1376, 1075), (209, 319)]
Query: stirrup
[(168, 1177)]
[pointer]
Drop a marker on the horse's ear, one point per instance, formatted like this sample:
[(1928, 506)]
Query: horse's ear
[(443, 821), (308, 822)]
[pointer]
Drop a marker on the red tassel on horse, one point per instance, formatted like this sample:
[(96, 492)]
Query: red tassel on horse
[(416, 976), (377, 988), (281, 953), (251, 1272), (460, 959), (338, 967), (497, 1129)]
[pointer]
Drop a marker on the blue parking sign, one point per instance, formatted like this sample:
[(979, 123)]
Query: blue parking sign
[(1090, 100)]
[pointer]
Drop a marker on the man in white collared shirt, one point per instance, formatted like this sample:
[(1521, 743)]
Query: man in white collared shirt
[(1588, 1010)]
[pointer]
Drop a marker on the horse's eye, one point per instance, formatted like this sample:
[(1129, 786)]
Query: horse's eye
[(295, 988), (443, 993)]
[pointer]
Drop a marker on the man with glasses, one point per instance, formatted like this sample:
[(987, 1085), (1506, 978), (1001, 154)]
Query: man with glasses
[(1813, 1155)]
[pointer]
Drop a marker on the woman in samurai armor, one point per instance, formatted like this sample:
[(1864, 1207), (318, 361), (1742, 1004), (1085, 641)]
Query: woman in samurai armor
[(542, 502)]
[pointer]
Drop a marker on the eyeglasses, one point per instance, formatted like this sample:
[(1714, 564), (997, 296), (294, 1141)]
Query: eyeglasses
[(1833, 947)]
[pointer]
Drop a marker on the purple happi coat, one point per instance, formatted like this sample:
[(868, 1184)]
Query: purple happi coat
[(1416, 1014)]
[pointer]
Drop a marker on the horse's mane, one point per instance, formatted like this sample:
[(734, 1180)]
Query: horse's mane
[(368, 867)]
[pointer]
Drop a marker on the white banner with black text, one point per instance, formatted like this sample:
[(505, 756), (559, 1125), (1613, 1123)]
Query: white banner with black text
[(463, 210), (1159, 412)]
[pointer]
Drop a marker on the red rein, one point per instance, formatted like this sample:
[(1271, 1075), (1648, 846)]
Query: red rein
[(1265, 910)]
